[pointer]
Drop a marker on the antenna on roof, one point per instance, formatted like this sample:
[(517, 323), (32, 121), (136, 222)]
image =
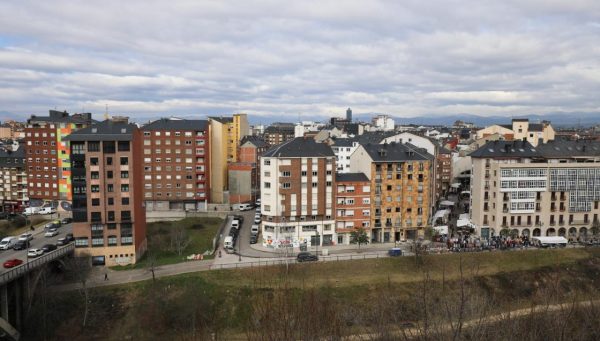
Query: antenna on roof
[(106, 117)]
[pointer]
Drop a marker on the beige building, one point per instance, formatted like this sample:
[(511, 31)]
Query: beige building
[(401, 188), (225, 134), (520, 129), (297, 199), (13, 181), (548, 190)]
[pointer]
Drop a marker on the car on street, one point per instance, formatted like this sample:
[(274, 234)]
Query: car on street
[(306, 257), (254, 230), (32, 253), (8, 243), (66, 221), (48, 248), (62, 241), (26, 237), (20, 245), (254, 239), (11, 263), (70, 237), (51, 233), (257, 220)]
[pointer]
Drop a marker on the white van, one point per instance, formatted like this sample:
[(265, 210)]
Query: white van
[(31, 210), (7, 243), (228, 244), (254, 229), (235, 224), (245, 207), (47, 210)]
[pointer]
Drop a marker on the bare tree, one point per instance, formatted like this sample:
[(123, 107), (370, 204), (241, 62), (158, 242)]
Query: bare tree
[(79, 268), (179, 239)]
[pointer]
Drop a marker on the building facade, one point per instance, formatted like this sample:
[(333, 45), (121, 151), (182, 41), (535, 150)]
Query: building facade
[(297, 198), (401, 178), (47, 153), (352, 205), (343, 149), (243, 177), (13, 180), (278, 133), (521, 129), (549, 190), (225, 134), (109, 219), (176, 164)]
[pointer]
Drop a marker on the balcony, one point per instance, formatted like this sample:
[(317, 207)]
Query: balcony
[(561, 222), (505, 209), (579, 222)]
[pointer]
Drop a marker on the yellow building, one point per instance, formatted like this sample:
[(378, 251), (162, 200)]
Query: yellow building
[(225, 134)]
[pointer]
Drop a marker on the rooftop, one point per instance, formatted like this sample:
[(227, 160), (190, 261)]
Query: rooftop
[(104, 131), (396, 152), (351, 177), (222, 119), (300, 147), (176, 124), (62, 117), (552, 149)]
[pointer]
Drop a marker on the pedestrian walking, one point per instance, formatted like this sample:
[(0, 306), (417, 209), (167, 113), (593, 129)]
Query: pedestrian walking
[(106, 276)]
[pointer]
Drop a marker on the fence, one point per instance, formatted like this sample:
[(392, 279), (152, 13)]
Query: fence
[(32, 264), (284, 261)]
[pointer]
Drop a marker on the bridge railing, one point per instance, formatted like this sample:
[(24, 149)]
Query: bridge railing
[(35, 263)]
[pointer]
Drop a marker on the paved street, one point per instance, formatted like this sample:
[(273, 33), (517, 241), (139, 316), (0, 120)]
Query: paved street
[(38, 241)]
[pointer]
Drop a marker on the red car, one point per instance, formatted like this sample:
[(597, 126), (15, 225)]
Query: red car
[(11, 263)]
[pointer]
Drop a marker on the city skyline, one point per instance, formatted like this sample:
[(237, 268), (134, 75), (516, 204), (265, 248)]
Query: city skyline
[(151, 60)]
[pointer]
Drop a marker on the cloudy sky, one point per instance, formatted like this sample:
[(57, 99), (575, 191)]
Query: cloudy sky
[(277, 58)]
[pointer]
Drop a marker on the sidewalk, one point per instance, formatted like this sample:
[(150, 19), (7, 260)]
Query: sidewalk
[(338, 249)]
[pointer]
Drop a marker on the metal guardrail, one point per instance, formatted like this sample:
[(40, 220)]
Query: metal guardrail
[(34, 263), (332, 258)]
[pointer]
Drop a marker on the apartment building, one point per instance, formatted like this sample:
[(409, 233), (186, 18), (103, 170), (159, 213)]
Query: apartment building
[(343, 149), (278, 133), (519, 129), (48, 161), (225, 134), (548, 190), (243, 175), (442, 170), (297, 197), (109, 219), (176, 164), (13, 180), (352, 205), (400, 176)]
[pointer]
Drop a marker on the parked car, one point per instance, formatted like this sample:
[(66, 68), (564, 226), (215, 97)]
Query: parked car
[(26, 237), (51, 233), (32, 253), (31, 211), (48, 247), (306, 257), (20, 245), (254, 230), (66, 221), (256, 220), (254, 239), (47, 210), (11, 263), (257, 203), (49, 226), (70, 237), (62, 241), (8, 243)]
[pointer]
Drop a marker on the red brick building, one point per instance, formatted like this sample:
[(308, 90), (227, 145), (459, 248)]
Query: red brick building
[(176, 164), (352, 205), (109, 220), (244, 175), (48, 156)]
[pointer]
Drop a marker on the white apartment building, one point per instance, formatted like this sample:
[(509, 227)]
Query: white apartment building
[(297, 199), (549, 190), (343, 149)]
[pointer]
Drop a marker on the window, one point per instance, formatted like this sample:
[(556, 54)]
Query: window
[(96, 216), (286, 174), (94, 161), (110, 201), (124, 188), (95, 202), (110, 188), (303, 173), (286, 185), (267, 162), (95, 188), (124, 175), (125, 201), (93, 146), (123, 146), (111, 216), (267, 185), (124, 161), (95, 175), (315, 185), (109, 161)]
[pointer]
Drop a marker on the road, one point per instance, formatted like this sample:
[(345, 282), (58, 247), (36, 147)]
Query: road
[(242, 245), (37, 242)]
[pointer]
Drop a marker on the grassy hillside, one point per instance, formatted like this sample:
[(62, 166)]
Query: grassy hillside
[(374, 297)]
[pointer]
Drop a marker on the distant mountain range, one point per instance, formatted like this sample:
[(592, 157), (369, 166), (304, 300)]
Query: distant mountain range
[(559, 119)]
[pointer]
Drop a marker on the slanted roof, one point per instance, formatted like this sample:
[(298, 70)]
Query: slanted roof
[(502, 148), (254, 140), (396, 152), (170, 124), (351, 177), (12, 159), (342, 142), (300, 147), (536, 127), (63, 117), (104, 131), (566, 148), (222, 119)]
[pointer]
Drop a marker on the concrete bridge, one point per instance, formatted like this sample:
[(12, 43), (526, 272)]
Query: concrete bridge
[(17, 290)]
